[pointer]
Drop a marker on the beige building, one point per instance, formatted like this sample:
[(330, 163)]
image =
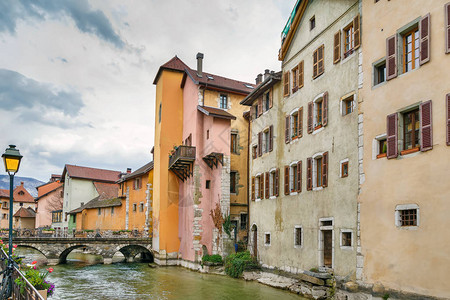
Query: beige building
[(304, 134), (405, 104)]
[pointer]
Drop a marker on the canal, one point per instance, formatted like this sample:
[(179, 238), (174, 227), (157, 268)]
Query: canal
[(83, 277)]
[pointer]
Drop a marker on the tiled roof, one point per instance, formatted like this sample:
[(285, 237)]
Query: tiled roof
[(49, 192), (106, 190), (25, 213), (272, 79), (98, 203), (141, 171), (47, 187), (4, 193), (21, 194), (175, 64), (216, 112), (91, 173)]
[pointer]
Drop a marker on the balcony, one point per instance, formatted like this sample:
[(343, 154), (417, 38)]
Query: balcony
[(181, 161), (213, 159)]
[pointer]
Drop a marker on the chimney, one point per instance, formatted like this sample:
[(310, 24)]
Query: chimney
[(82, 203), (128, 170), (266, 73), (258, 78), (21, 183), (199, 64)]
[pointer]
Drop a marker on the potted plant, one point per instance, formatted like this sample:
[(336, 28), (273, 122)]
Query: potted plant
[(37, 279), (48, 230)]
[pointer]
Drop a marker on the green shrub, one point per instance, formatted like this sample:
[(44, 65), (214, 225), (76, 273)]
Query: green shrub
[(237, 263), (227, 226), (215, 258), (88, 230)]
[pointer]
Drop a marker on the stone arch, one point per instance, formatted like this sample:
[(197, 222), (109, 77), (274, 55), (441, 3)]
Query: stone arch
[(130, 251), (34, 247), (63, 256)]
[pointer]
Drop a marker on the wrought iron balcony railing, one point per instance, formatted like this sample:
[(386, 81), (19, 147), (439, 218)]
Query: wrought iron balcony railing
[(181, 161)]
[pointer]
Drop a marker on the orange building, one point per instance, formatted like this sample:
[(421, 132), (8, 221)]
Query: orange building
[(22, 198)]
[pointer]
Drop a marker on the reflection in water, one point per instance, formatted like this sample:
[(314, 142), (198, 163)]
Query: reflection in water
[(84, 278)]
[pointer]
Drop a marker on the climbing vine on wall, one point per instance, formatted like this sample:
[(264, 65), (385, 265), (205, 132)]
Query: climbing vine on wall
[(216, 215)]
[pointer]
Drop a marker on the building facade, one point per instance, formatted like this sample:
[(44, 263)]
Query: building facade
[(405, 107), (49, 200)]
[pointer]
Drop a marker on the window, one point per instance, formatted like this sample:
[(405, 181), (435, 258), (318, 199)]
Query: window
[(254, 151), (5, 217), (266, 141), (21, 193), (411, 125), (295, 79), (233, 182), (255, 109), (99, 211), (267, 239), (346, 239), (317, 171), (382, 148), (407, 215), (411, 50), (141, 207), (297, 236), (318, 62), (223, 101), (257, 183), (244, 221), (344, 169), (272, 182), (347, 105), (349, 42), (266, 101), (21, 204), (318, 114), (112, 210), (5, 205), (312, 23), (208, 184), (137, 183), (207, 134), (56, 216), (134, 207), (234, 143), (159, 113), (319, 166), (294, 125), (293, 179), (379, 75)]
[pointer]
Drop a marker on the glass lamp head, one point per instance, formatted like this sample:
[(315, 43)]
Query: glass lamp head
[(11, 159)]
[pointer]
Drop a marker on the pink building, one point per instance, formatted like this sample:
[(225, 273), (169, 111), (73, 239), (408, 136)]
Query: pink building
[(49, 199)]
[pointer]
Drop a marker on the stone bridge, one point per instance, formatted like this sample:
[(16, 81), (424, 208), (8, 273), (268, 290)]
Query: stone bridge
[(57, 249)]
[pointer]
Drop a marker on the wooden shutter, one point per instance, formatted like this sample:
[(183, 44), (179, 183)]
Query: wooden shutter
[(391, 57), (300, 122), (356, 32), (325, 109), (270, 138), (252, 113), (253, 188), (261, 186), (259, 143), (392, 136), (447, 28), (310, 117), (301, 76), (424, 39), (299, 176), (277, 182), (315, 60), (448, 118), (286, 84), (325, 169), (309, 174), (320, 60), (286, 180), (270, 98), (286, 130), (267, 185), (260, 106), (337, 47), (426, 129)]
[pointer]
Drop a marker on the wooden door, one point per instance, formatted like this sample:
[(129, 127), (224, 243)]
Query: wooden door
[(327, 248), (255, 243)]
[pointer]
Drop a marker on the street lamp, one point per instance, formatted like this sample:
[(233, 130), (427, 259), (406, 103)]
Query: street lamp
[(11, 158)]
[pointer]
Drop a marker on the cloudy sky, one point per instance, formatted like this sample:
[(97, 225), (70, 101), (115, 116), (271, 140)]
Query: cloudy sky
[(76, 75)]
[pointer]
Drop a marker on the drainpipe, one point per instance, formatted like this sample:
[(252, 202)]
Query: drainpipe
[(248, 179)]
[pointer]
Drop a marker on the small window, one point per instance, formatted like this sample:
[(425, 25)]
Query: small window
[(254, 151), (266, 141), (318, 114), (112, 210), (255, 109), (407, 215), (257, 184), (21, 204), (207, 134), (5, 205), (272, 182), (137, 183), (223, 101), (349, 40), (99, 211), (381, 147), (410, 50), (297, 236), (294, 125), (208, 184), (319, 166), (244, 221), (234, 143), (312, 23), (233, 182), (267, 101), (318, 62), (294, 79), (267, 239), (293, 180), (141, 206), (344, 169), (411, 125), (326, 223), (134, 207), (347, 105), (379, 73), (21, 193), (346, 239)]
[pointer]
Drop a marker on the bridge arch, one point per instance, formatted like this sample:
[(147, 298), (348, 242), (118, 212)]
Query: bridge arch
[(34, 247), (130, 252), (63, 256)]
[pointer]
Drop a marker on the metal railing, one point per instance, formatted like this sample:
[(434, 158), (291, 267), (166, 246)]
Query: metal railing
[(182, 152), (38, 233)]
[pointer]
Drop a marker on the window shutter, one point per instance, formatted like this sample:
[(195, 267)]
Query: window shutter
[(315, 59), (286, 131), (325, 109), (261, 186), (286, 180), (424, 44), (260, 106), (270, 99), (259, 143), (299, 176), (286, 84), (309, 174), (392, 136), (300, 122), (254, 152), (325, 169), (277, 182), (426, 129), (447, 28), (337, 47), (391, 57), (252, 113), (270, 138), (253, 188), (267, 185), (448, 117), (320, 61), (357, 32), (301, 74), (310, 117)]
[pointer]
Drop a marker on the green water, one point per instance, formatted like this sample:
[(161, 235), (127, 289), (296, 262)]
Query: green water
[(83, 278)]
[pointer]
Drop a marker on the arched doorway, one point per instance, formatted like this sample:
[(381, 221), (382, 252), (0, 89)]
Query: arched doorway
[(255, 240)]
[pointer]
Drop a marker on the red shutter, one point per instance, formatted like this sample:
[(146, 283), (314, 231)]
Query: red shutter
[(253, 188), (299, 176), (259, 143), (357, 32), (424, 40), (392, 136), (325, 109), (447, 28), (309, 174), (391, 57), (426, 129), (286, 180), (310, 117), (301, 74), (267, 185), (325, 170), (270, 99), (277, 182), (448, 116), (260, 107), (300, 122), (337, 47), (286, 131), (270, 138)]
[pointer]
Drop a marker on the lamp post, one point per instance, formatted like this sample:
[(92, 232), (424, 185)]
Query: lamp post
[(11, 158)]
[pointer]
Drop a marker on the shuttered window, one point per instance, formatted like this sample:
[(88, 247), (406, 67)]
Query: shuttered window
[(259, 143), (411, 50), (391, 57), (424, 29), (261, 187), (392, 136), (299, 177), (300, 122), (294, 79), (325, 170), (337, 47), (309, 174), (260, 106), (277, 182), (286, 84), (286, 180), (267, 185), (301, 74), (310, 117), (447, 28), (318, 62), (270, 138), (253, 188), (287, 138), (426, 130)]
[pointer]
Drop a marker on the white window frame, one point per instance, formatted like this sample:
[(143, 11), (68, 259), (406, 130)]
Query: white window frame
[(257, 183), (401, 207), (272, 174), (291, 123), (270, 238), (318, 98), (340, 166), (291, 178), (376, 146), (227, 106), (340, 239), (314, 171), (301, 236), (342, 102)]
